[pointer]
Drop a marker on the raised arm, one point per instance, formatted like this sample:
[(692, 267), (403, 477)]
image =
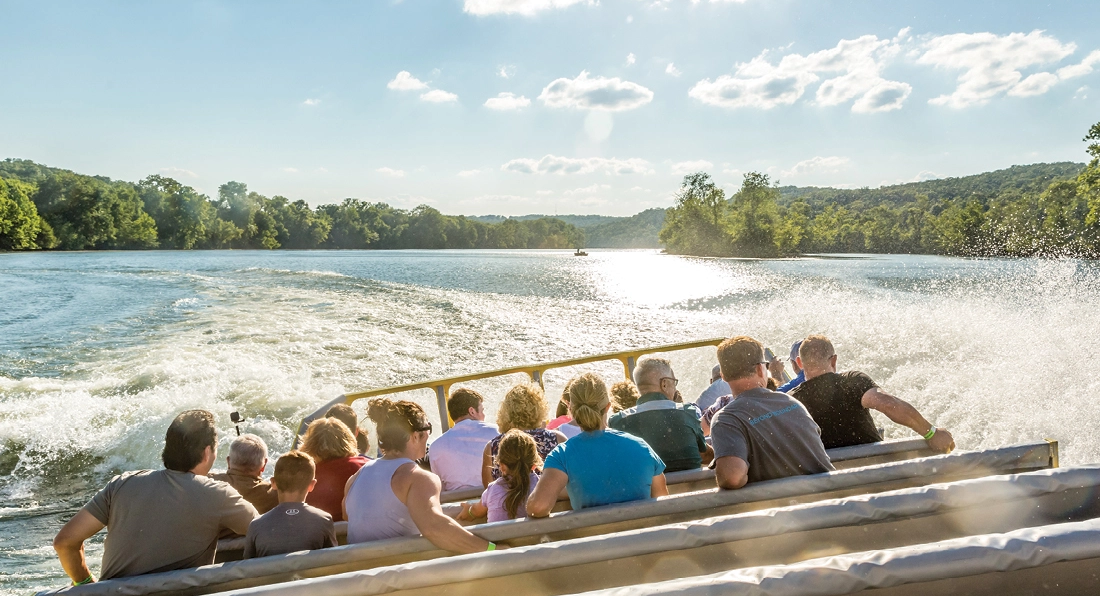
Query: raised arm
[(542, 500), (903, 413), (731, 472), (69, 544), (444, 532)]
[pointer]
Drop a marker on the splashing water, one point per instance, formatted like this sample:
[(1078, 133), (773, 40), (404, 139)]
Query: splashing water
[(98, 351)]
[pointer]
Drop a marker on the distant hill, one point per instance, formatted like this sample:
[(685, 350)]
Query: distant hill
[(580, 221)]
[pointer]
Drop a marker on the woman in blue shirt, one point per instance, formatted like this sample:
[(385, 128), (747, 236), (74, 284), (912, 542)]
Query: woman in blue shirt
[(599, 466)]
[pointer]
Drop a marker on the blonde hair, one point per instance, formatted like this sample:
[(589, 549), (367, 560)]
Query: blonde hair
[(328, 438), (588, 399), (524, 408), (624, 395), (518, 451)]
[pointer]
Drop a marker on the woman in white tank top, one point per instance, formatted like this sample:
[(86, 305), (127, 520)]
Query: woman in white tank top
[(392, 496)]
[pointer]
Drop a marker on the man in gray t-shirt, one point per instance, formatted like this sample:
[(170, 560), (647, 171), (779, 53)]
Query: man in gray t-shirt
[(159, 520), (761, 434)]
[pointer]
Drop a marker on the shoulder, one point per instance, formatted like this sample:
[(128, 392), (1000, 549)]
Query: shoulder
[(855, 376), (313, 511), (627, 439)]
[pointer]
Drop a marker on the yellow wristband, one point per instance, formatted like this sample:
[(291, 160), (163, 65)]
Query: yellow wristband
[(491, 547)]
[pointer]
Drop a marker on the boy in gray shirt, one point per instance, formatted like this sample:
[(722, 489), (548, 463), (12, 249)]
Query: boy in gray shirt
[(292, 525)]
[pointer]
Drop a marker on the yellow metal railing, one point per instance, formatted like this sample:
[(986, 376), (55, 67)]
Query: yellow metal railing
[(535, 371)]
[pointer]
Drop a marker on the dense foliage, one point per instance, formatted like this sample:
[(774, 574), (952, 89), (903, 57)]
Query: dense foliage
[(1045, 210), (45, 208)]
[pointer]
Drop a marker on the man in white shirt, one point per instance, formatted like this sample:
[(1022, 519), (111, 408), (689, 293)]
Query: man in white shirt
[(718, 388), (456, 456)]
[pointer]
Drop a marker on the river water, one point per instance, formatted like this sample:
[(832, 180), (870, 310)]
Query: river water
[(99, 350)]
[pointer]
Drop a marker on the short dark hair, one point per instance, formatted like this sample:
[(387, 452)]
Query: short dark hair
[(739, 356), (187, 439), (294, 471), (462, 399), (345, 414)]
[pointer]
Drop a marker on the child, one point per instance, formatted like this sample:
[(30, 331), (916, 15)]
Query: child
[(506, 498), (292, 525)]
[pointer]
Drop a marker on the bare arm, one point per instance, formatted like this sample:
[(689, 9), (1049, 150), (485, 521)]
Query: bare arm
[(707, 456), (560, 436), (69, 544), (472, 510), (659, 488), (541, 502), (486, 466), (422, 500), (903, 413), (731, 472)]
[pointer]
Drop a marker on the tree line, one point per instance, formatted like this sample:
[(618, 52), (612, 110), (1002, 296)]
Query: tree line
[(1055, 213), (49, 208)]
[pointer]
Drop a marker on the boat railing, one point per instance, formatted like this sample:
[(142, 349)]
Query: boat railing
[(628, 358)]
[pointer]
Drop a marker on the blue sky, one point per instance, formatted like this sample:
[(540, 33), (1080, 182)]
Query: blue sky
[(544, 106)]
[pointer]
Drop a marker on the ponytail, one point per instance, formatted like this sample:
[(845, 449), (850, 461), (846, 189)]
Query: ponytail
[(519, 453), (589, 400)]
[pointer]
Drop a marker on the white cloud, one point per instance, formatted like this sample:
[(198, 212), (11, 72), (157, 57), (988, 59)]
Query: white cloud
[(925, 175), (587, 190), (404, 81), (507, 101), (1083, 68), (506, 71), (684, 168), (523, 7), (599, 93), (630, 59), (438, 96), (992, 64), (391, 172), (311, 102), (177, 172), (553, 164), (760, 84), (291, 170), (818, 164), (672, 70), (1081, 93)]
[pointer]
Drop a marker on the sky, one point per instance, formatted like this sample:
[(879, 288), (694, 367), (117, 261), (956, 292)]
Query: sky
[(544, 106)]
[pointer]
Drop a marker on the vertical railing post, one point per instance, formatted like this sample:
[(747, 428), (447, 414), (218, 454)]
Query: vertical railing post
[(536, 377), (629, 364), (441, 399)]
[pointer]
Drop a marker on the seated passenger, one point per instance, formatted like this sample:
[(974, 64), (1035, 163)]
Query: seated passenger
[(456, 456), (392, 496), (159, 520), (624, 395), (332, 447), (292, 525), (524, 408), (840, 402), (799, 376), (344, 413), (506, 498), (761, 434), (671, 429), (247, 460), (561, 415), (599, 466), (715, 391)]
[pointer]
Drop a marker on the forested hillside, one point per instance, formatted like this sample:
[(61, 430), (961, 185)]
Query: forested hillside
[(49, 208), (1044, 209)]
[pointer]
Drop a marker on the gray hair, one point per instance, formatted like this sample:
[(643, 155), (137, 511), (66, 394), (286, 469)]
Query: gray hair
[(650, 370), (248, 452)]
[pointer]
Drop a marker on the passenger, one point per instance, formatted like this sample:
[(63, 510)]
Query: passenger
[(344, 413), (392, 496), (291, 526), (599, 466), (761, 434), (561, 415), (159, 520), (840, 402), (624, 395), (332, 447), (524, 408), (247, 460), (671, 429), (456, 456), (506, 498), (717, 389), (800, 375)]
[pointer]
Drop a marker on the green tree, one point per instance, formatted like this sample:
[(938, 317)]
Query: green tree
[(21, 228), (695, 225), (754, 217)]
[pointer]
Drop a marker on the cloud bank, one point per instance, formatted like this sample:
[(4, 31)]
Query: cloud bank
[(595, 93)]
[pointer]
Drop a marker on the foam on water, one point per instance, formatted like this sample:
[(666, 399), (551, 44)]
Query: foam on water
[(102, 350)]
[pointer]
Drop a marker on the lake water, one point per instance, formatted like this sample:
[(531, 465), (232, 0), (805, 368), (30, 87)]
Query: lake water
[(99, 350)]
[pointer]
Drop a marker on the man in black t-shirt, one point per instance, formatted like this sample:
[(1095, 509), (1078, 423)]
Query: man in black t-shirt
[(840, 403)]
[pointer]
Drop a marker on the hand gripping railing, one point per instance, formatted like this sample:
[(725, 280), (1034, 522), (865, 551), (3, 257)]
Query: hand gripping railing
[(535, 371)]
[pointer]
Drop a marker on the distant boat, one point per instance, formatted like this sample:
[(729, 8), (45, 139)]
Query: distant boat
[(580, 253)]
